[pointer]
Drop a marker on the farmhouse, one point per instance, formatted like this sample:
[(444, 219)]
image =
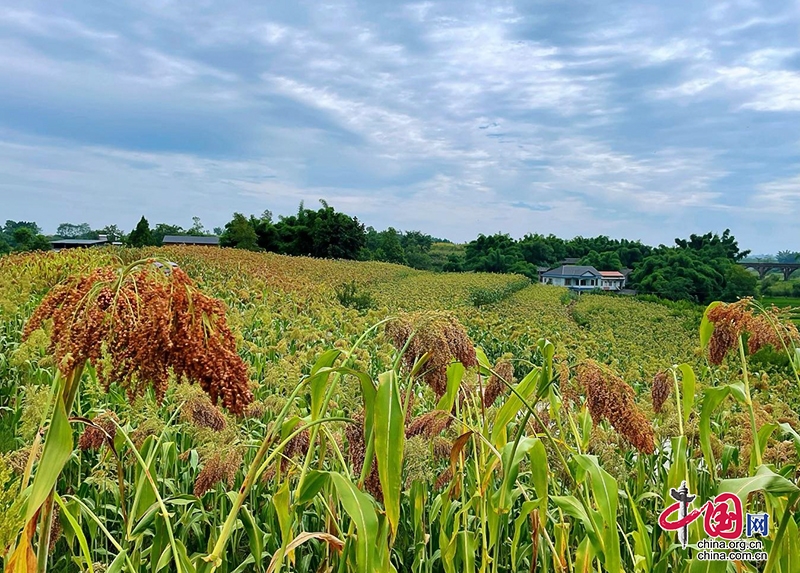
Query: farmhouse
[(612, 280), (583, 278), (61, 244), (190, 240)]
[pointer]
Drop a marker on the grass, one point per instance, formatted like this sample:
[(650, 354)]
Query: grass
[(781, 301)]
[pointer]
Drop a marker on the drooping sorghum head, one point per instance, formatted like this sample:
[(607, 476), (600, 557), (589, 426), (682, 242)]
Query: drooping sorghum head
[(142, 324)]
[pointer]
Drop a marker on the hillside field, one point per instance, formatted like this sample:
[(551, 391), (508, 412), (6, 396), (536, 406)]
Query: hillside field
[(553, 448)]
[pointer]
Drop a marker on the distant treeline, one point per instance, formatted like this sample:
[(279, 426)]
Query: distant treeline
[(701, 268)]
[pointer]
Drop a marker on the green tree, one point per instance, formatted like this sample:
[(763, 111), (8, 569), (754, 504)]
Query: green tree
[(267, 233), (681, 274), (714, 246), (739, 283), (11, 226), (26, 240), (239, 233), (417, 249), (161, 230), (787, 257), (497, 253), (606, 261), (537, 250), (71, 231), (390, 249), (113, 233), (141, 236), (323, 233), (197, 229)]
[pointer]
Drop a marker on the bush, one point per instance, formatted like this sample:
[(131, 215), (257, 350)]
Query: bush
[(348, 294), (568, 297)]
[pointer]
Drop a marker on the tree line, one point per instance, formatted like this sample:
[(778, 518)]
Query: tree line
[(700, 269)]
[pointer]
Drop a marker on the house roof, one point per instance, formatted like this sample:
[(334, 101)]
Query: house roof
[(612, 275), (572, 271), (79, 242), (189, 240), (570, 260)]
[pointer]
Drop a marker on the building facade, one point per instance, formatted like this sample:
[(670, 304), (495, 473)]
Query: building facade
[(612, 280), (574, 277)]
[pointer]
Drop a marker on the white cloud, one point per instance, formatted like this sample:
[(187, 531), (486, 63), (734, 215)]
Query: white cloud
[(779, 196), (51, 26)]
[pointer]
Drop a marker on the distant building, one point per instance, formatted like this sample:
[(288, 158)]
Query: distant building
[(582, 278), (574, 277), (190, 240), (612, 280), (541, 271), (61, 244)]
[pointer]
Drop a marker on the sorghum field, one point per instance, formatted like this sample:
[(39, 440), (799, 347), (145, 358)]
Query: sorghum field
[(192, 409)]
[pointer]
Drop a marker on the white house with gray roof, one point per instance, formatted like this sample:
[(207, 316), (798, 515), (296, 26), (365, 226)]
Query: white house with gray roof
[(574, 277)]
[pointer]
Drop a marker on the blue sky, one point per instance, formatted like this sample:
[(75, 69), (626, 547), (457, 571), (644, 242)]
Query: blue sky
[(634, 119)]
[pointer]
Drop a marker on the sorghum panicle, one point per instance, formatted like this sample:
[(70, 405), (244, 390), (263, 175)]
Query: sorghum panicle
[(441, 335), (609, 397), (660, 390), (142, 326)]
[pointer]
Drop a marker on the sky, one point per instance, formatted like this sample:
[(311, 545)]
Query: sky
[(640, 119)]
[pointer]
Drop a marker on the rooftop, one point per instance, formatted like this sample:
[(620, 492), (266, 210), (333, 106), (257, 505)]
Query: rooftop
[(82, 242), (572, 271), (612, 274), (189, 240)]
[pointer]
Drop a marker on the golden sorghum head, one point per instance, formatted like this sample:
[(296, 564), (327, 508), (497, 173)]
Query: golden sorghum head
[(437, 333), (442, 448), (730, 321), (55, 529), (145, 323), (429, 424), (444, 478), (418, 466), (199, 411), (96, 434), (256, 410), (18, 459), (609, 397), (220, 467), (734, 319), (150, 426), (660, 390), (503, 370)]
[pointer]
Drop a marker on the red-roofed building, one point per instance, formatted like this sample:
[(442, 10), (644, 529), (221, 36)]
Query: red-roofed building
[(612, 280)]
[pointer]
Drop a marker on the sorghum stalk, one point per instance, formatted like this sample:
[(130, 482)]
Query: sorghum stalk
[(678, 400), (215, 557), (67, 394), (746, 379)]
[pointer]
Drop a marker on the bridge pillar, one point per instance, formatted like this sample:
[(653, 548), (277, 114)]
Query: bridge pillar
[(762, 272), (787, 272)]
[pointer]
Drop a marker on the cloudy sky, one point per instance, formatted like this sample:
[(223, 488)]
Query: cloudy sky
[(634, 119)]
